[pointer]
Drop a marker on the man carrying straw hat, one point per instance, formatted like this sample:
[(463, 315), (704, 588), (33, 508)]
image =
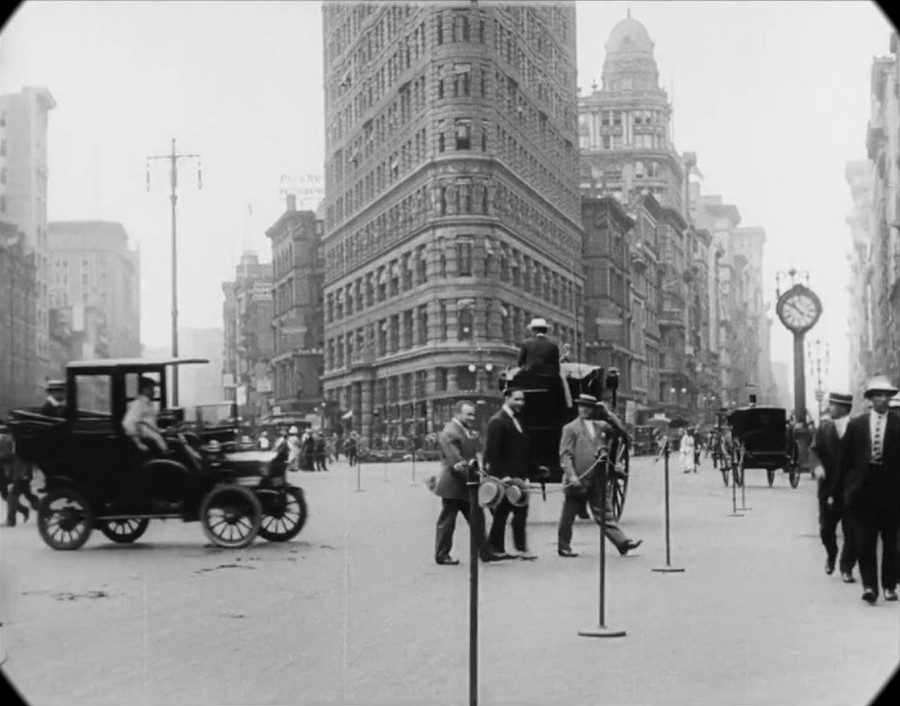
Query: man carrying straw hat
[(870, 486), (581, 439)]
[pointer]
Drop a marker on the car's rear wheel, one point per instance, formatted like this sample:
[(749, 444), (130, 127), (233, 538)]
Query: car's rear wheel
[(230, 515), (284, 513), (124, 531), (65, 519)]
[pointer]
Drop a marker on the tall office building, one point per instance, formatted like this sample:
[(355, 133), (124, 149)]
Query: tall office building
[(94, 276), (452, 214), (23, 198), (624, 126)]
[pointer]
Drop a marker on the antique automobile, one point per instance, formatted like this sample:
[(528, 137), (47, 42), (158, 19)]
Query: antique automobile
[(763, 438), (545, 414), (644, 440), (216, 421), (96, 476)]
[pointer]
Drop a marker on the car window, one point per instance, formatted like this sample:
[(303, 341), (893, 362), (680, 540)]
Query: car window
[(94, 394)]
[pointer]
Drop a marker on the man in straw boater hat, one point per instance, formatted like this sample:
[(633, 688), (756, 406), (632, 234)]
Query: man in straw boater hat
[(870, 486), (458, 448), (540, 355), (55, 403), (826, 450), (506, 458), (581, 439)]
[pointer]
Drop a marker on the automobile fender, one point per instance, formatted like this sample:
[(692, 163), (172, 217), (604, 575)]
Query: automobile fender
[(159, 464), (55, 481)]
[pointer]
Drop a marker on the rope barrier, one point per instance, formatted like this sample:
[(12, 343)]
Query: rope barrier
[(604, 458)]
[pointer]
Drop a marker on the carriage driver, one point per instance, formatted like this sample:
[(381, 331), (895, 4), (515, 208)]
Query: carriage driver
[(139, 421), (540, 355)]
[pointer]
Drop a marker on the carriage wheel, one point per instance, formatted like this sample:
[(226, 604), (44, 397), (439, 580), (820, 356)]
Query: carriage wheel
[(737, 467), (230, 515), (618, 477), (724, 467), (124, 531), (65, 519), (770, 476), (794, 469), (284, 513)]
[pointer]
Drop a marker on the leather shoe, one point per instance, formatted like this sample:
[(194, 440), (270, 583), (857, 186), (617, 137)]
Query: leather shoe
[(890, 594), (446, 561), (526, 556), (869, 596), (847, 577), (567, 552), (492, 556), (829, 566), (629, 545)]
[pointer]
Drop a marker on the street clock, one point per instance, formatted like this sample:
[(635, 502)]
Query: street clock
[(799, 308)]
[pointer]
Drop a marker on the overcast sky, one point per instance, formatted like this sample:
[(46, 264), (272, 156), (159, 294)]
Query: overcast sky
[(772, 96)]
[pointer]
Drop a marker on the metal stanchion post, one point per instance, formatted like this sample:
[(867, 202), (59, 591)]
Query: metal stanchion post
[(475, 531), (602, 630), (358, 473), (385, 469), (413, 466), (668, 568), (734, 509), (743, 500)]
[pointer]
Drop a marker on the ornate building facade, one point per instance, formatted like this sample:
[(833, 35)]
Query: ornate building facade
[(452, 213), (859, 175), (18, 305)]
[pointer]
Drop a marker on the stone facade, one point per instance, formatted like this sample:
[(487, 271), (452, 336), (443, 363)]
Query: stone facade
[(452, 213), (298, 321), (18, 303)]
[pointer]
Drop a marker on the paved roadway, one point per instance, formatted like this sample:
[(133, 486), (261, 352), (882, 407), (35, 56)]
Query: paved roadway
[(354, 611)]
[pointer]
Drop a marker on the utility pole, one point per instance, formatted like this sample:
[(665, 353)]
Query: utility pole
[(173, 183)]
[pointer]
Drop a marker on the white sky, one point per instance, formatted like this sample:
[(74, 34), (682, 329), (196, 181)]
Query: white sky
[(772, 96)]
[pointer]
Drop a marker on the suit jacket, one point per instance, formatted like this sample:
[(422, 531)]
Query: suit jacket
[(827, 447), (577, 450), (505, 449), (456, 445), (539, 354), (855, 474)]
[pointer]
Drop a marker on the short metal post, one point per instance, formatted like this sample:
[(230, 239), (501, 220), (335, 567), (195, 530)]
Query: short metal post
[(413, 466), (358, 473), (734, 512), (602, 630), (475, 531), (743, 500), (668, 568)]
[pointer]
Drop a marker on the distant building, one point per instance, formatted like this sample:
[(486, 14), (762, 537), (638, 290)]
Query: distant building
[(18, 304), (298, 317), (249, 344), (860, 176), (200, 384), (94, 289), (23, 199)]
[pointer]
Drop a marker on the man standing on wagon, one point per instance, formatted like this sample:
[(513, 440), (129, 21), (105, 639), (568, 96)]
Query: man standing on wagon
[(540, 355), (826, 449)]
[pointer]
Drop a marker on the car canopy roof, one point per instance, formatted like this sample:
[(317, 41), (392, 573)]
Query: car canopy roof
[(136, 364)]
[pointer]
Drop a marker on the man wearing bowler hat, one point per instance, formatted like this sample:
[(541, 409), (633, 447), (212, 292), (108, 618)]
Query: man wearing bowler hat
[(506, 457), (826, 450), (581, 439), (458, 449), (870, 484)]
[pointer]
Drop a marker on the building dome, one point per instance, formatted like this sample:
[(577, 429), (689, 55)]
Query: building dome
[(629, 36)]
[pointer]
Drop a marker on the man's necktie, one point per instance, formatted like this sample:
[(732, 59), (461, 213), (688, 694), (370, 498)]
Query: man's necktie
[(877, 442)]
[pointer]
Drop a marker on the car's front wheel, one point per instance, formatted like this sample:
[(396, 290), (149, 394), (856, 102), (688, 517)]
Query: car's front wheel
[(65, 519), (230, 515)]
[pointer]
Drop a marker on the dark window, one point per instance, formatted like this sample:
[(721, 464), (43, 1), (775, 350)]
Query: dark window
[(464, 248), (463, 134)]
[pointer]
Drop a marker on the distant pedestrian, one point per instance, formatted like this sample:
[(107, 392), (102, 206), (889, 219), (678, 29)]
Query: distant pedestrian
[(293, 442), (263, 441), (870, 486), (351, 448), (320, 451), (826, 452), (20, 474), (698, 449), (686, 451)]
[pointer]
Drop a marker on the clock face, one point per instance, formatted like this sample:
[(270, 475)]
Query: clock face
[(799, 310)]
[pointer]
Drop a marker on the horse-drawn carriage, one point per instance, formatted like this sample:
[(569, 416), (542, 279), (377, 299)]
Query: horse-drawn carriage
[(96, 476), (546, 413), (762, 437)]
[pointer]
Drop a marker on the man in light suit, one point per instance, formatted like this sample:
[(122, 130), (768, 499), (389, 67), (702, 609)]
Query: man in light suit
[(506, 457), (581, 439), (458, 448), (870, 485), (826, 450)]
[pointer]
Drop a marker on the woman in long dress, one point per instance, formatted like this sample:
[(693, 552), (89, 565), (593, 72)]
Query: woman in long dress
[(686, 449)]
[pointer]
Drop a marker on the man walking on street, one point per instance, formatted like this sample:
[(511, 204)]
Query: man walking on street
[(870, 484), (826, 449), (506, 457), (458, 448), (581, 439)]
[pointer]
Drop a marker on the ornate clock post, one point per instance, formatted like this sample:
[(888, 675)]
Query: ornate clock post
[(799, 308)]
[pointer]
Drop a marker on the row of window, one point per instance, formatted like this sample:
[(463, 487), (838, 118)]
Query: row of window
[(410, 329), (351, 19)]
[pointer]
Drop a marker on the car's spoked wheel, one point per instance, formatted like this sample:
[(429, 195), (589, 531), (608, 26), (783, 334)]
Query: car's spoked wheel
[(618, 477), (65, 519), (230, 515), (124, 531), (284, 513), (794, 469)]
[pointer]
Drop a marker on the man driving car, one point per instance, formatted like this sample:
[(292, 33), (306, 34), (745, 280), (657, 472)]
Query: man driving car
[(139, 421)]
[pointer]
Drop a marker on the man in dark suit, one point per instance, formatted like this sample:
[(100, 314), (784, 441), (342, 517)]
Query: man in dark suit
[(870, 485), (55, 404), (826, 450), (458, 448), (506, 456), (539, 354), (581, 439)]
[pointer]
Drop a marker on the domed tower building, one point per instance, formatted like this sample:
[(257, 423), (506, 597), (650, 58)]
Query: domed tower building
[(625, 126)]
